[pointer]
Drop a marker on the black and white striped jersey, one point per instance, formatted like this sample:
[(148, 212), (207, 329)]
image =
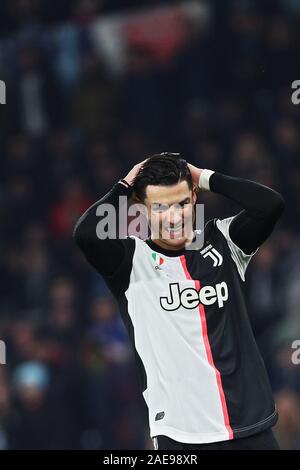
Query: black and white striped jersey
[(202, 376)]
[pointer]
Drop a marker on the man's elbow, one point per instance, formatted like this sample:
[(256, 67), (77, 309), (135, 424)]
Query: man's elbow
[(278, 206), (78, 233)]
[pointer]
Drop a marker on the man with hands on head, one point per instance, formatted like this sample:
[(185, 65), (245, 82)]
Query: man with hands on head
[(202, 376)]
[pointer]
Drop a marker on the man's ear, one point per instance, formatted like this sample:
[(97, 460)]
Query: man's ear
[(196, 190), (135, 199)]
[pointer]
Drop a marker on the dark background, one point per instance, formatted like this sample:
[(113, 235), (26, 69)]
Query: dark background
[(216, 87)]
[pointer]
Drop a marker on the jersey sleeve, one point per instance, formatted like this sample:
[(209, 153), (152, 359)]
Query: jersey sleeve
[(118, 280), (240, 258), (262, 207), (111, 256)]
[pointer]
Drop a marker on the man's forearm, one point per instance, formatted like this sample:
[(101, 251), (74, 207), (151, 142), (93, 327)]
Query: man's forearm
[(262, 207), (105, 255), (258, 200)]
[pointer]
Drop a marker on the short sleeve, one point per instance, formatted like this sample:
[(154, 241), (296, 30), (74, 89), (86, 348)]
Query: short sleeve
[(240, 258)]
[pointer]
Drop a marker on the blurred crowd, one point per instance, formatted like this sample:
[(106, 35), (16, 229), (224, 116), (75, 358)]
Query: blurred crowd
[(69, 131), (18, 15)]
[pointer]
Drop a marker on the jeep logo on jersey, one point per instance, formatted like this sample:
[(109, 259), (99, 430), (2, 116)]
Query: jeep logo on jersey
[(191, 298)]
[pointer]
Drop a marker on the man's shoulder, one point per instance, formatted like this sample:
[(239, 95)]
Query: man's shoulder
[(217, 229), (210, 227), (217, 225)]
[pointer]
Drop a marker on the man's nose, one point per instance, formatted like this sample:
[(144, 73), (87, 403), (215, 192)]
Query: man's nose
[(175, 215)]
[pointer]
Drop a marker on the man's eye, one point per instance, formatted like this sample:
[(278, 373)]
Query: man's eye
[(159, 207), (180, 205)]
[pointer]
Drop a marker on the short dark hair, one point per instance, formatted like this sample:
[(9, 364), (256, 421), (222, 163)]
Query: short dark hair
[(163, 169)]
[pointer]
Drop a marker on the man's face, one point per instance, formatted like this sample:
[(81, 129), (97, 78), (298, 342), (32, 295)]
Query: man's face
[(170, 212)]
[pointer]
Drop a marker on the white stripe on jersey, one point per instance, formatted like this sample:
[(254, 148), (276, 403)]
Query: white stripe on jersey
[(182, 390)]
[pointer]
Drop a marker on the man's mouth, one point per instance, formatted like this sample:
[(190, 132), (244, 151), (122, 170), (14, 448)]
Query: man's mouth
[(176, 229)]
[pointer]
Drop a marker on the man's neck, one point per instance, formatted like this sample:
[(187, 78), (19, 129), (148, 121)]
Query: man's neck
[(166, 246)]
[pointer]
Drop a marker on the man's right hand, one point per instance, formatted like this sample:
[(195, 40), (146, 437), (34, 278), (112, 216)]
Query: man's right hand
[(129, 178)]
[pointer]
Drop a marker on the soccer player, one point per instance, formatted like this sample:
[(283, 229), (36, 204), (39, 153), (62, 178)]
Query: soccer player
[(202, 375)]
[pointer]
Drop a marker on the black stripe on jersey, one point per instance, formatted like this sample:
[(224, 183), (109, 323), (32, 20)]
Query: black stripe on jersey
[(123, 305), (245, 384)]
